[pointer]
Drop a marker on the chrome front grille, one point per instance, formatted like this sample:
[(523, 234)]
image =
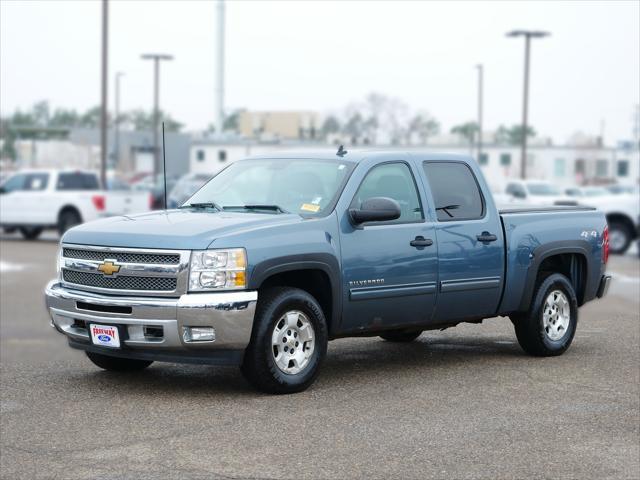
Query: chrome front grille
[(125, 271), (124, 257), (159, 284)]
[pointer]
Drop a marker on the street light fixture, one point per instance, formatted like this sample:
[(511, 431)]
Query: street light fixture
[(116, 121), (528, 35), (156, 57), (480, 68)]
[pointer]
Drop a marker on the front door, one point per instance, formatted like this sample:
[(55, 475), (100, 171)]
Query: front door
[(470, 243), (389, 268)]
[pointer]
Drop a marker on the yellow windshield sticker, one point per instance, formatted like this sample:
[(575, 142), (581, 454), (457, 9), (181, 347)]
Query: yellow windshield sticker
[(309, 207)]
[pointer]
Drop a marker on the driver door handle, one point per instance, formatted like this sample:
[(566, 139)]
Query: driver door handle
[(486, 237), (420, 241)]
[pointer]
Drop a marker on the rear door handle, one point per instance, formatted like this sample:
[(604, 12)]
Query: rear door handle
[(420, 241), (486, 237)]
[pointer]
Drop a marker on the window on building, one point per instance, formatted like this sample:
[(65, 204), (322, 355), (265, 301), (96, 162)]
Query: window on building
[(602, 168), (455, 191), (200, 155), (392, 180), (222, 156), (623, 168), (560, 167), (484, 159), (505, 159), (580, 166)]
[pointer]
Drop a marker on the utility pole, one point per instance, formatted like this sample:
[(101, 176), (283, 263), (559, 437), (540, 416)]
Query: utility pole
[(116, 121), (480, 94), (156, 57), (104, 87), (528, 35), (219, 72)]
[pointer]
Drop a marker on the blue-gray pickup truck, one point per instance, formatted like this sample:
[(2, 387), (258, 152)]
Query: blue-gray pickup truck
[(277, 255)]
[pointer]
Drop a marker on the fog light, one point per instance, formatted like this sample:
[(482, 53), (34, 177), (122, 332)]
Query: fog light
[(199, 334)]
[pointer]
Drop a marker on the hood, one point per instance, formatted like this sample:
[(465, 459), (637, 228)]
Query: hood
[(172, 229)]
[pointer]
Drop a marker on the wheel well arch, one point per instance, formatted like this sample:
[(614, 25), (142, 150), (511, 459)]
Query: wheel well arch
[(68, 208), (567, 257), (315, 280), (571, 265), (625, 220)]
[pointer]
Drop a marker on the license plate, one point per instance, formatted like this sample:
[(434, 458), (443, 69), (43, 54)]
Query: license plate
[(105, 336)]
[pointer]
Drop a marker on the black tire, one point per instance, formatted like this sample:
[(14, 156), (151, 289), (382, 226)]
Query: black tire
[(259, 365), (529, 327), (619, 228), (401, 336), (117, 364), (30, 233), (67, 220)]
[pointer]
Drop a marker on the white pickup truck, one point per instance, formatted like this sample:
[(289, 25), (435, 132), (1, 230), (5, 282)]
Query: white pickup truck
[(34, 200)]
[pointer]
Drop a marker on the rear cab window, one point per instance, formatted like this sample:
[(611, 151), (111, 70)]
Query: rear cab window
[(77, 181), (455, 191)]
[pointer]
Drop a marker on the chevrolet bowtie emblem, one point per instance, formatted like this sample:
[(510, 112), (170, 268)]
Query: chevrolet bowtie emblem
[(108, 267)]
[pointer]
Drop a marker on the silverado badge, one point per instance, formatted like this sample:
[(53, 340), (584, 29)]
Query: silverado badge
[(108, 268)]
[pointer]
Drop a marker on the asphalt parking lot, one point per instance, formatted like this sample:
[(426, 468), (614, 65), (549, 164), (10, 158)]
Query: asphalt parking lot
[(461, 403)]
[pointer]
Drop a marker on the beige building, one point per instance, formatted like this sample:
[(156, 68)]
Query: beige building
[(285, 125)]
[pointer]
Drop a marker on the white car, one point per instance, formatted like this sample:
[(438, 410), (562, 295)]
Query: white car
[(537, 192), (34, 200)]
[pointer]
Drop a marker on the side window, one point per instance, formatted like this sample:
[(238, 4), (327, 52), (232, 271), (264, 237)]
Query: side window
[(516, 190), (455, 191), (77, 181), (36, 181), (392, 180)]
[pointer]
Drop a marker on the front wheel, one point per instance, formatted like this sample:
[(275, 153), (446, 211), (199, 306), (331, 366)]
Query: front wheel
[(288, 342), (547, 329), (117, 364)]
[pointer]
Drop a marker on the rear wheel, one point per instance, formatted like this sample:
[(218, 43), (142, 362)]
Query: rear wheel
[(117, 364), (401, 336), (288, 342), (549, 326), (30, 233), (68, 219)]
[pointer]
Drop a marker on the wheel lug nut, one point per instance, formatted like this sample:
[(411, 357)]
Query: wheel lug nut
[(288, 332), (286, 348)]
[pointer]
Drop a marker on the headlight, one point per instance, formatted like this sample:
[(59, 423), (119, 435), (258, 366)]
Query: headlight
[(218, 269)]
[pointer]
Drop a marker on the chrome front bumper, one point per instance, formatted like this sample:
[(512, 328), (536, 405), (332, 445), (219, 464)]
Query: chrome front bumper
[(153, 324)]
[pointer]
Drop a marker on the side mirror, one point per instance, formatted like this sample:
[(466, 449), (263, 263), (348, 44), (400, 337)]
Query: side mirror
[(376, 209)]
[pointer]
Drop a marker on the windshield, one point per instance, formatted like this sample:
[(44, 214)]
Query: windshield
[(542, 189), (302, 186)]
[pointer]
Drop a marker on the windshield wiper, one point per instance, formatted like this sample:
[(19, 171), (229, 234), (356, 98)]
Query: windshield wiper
[(274, 208), (203, 205), (446, 209)]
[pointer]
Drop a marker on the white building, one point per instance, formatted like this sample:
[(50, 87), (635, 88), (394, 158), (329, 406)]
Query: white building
[(563, 165)]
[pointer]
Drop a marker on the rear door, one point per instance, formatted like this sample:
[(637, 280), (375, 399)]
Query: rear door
[(470, 242)]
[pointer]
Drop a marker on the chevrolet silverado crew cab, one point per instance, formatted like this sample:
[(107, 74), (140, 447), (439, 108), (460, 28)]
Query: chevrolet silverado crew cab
[(275, 256)]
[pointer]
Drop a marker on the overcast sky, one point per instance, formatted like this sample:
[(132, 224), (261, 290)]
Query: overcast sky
[(322, 55)]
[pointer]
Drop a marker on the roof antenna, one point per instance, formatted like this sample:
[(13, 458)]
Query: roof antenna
[(341, 151), (164, 168)]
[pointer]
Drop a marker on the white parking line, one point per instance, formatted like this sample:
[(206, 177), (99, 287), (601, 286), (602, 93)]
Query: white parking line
[(10, 267)]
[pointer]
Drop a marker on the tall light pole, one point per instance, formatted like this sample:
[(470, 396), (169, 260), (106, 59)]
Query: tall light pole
[(116, 120), (156, 57), (480, 93), (528, 35), (219, 72), (103, 93)]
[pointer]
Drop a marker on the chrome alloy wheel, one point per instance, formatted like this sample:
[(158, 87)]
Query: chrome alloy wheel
[(617, 239), (556, 315), (293, 342)]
